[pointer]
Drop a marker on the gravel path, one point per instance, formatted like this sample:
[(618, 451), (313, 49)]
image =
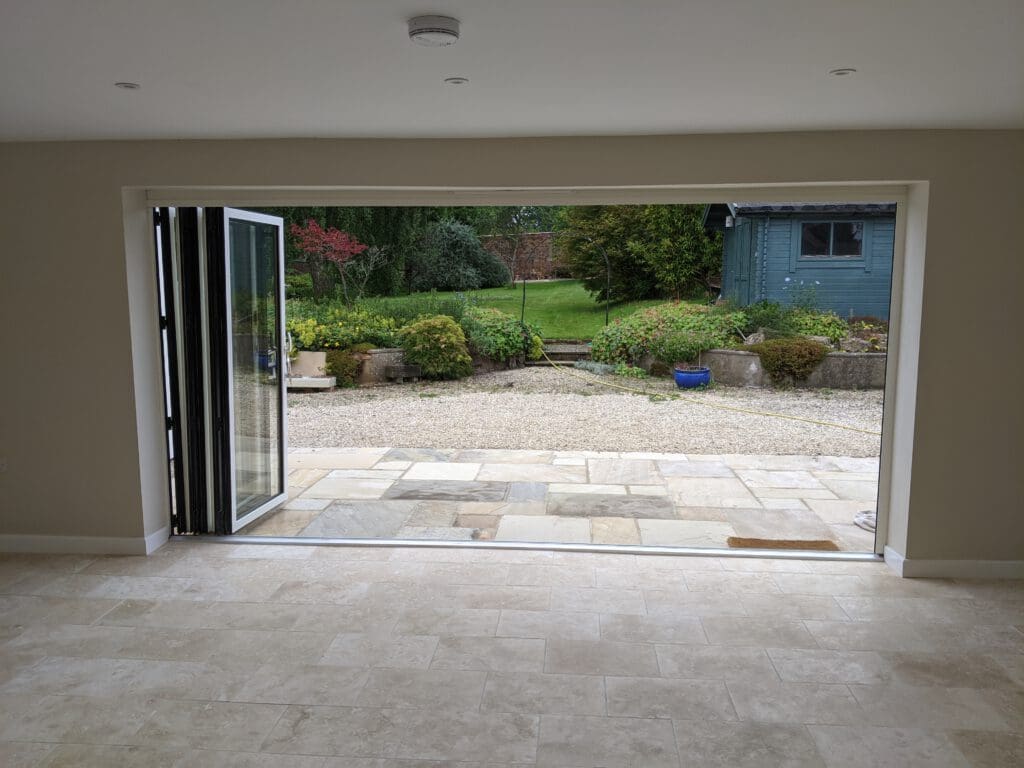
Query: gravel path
[(543, 408)]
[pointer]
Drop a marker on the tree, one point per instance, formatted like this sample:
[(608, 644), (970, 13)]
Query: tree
[(677, 248), (321, 247), (654, 250), (451, 259), (592, 233)]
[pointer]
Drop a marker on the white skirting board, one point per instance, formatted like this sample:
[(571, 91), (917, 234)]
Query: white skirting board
[(85, 545), (912, 568)]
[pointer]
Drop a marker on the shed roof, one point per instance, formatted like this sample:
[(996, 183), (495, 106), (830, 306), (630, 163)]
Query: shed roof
[(753, 209)]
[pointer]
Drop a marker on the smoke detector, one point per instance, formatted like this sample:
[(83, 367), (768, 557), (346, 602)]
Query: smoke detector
[(434, 31)]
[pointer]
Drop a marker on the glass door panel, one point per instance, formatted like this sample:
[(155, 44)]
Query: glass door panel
[(254, 248)]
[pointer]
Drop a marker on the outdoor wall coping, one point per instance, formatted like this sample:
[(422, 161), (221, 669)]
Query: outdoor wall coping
[(830, 354)]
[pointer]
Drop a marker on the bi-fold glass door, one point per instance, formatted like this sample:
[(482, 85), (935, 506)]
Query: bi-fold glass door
[(223, 303)]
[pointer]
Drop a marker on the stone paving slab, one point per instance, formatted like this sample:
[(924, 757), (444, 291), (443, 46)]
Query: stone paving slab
[(601, 497), (451, 490), (608, 505)]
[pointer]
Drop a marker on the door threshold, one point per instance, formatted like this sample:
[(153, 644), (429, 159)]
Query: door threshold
[(610, 549)]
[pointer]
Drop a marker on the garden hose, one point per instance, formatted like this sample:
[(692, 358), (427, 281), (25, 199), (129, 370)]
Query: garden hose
[(693, 401)]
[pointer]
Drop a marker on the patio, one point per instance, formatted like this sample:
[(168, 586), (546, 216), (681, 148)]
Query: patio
[(599, 497)]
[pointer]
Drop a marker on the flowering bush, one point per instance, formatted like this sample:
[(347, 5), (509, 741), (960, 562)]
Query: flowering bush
[(630, 339)]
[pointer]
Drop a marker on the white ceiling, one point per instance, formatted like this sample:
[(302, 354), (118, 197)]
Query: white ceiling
[(331, 68)]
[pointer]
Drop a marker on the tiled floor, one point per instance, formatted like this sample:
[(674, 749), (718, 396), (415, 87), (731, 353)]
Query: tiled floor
[(330, 657), (582, 497)]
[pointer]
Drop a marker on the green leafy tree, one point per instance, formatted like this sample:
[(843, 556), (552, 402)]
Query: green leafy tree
[(653, 250), (681, 254), (451, 258), (592, 233)]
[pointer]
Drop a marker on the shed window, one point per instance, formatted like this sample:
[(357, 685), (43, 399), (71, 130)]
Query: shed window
[(832, 240)]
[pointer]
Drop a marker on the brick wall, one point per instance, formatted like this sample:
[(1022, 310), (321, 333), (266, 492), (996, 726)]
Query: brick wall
[(537, 257)]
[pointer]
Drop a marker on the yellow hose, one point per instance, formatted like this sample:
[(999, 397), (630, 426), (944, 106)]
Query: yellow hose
[(676, 396)]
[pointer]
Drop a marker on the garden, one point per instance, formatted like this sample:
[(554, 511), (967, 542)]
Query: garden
[(642, 292)]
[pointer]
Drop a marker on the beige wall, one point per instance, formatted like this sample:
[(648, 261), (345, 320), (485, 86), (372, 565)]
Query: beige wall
[(77, 324)]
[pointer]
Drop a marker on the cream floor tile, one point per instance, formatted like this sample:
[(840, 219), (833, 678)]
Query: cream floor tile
[(796, 703), (402, 652), (555, 625), (673, 698), (720, 744), (601, 657), (626, 628), (567, 742), (409, 734), (544, 694), (985, 749), (907, 706), (419, 688), (489, 654), (716, 662), (905, 672), (207, 724), (867, 747)]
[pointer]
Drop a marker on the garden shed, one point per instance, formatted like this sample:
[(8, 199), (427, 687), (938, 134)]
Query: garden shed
[(838, 253)]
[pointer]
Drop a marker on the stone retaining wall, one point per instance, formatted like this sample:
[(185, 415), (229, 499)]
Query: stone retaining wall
[(374, 368), (839, 370)]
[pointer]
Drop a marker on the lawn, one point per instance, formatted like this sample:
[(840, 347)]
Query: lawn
[(562, 308)]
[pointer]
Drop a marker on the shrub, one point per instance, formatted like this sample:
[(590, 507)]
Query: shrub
[(792, 359), (630, 339), (452, 259), (438, 346), (495, 334), (536, 350), (766, 314), (674, 347), (344, 364), (298, 285), (778, 320), (325, 326), (812, 323), (590, 366)]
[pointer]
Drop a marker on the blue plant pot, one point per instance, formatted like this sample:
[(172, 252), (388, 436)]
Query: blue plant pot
[(692, 378)]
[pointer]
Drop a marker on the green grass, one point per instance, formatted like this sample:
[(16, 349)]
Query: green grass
[(562, 308)]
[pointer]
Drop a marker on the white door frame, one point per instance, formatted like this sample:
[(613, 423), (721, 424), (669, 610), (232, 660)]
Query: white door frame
[(254, 514), (898, 414)]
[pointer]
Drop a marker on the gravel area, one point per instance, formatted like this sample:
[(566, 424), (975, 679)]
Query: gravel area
[(544, 408)]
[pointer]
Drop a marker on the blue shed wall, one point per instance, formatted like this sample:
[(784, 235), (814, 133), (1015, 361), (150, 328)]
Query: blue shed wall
[(846, 286)]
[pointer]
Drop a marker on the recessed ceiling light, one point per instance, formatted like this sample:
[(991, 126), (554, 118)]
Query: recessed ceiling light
[(128, 86), (842, 71), (456, 81), (434, 31)]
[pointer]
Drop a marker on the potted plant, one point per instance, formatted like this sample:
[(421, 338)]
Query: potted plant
[(679, 350)]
